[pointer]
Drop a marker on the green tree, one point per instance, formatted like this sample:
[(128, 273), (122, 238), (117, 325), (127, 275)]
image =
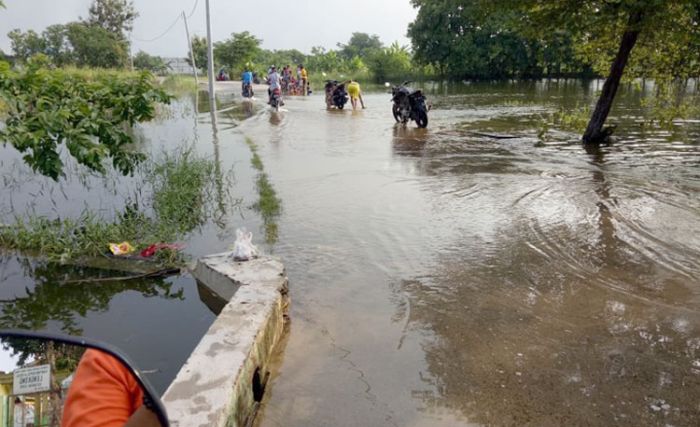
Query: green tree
[(283, 57), (114, 16), (57, 46), (393, 62), (96, 47), (154, 64), (463, 41), (235, 52), (325, 61), (48, 109), (27, 44), (199, 50), (361, 45), (608, 33)]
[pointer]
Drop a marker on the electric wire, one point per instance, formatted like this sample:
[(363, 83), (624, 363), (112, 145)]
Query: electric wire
[(179, 16)]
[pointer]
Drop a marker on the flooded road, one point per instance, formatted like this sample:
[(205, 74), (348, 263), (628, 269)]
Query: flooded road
[(443, 278)]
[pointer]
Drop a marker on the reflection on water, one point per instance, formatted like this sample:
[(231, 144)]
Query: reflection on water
[(156, 322), (447, 277)]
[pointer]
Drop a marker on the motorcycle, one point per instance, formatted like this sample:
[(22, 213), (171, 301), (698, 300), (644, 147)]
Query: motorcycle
[(408, 104), (336, 95), (71, 381), (276, 99), (247, 90)]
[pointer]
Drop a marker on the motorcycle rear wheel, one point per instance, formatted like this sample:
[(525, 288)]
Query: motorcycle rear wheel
[(396, 113), (422, 119)]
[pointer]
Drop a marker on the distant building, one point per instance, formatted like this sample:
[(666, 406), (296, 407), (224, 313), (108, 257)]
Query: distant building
[(178, 66)]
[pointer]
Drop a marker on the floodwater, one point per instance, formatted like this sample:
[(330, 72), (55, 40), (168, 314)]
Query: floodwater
[(444, 278), (439, 277), (158, 322)]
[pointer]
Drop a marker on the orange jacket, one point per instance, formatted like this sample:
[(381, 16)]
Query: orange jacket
[(103, 393)]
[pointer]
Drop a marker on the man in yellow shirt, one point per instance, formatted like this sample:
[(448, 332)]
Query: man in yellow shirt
[(304, 80), (355, 94)]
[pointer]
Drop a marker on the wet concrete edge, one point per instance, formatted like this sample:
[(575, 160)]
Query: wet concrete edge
[(215, 386)]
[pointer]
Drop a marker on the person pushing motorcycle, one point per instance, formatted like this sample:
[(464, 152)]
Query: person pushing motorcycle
[(355, 93)]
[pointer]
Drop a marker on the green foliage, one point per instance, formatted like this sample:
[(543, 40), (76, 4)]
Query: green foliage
[(280, 58), (26, 45), (114, 16), (462, 40), (669, 31), (96, 47), (671, 101), (178, 84), (393, 62), (180, 184), (236, 52), (199, 50), (50, 108), (268, 204), (154, 64), (360, 45), (76, 43)]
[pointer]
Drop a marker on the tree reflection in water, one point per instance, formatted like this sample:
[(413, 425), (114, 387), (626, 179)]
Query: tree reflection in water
[(52, 300)]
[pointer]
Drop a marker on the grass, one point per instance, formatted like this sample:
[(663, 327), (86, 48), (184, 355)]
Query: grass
[(181, 185), (178, 84), (268, 204)]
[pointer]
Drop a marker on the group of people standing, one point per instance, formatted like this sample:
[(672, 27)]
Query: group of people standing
[(298, 85), (286, 83)]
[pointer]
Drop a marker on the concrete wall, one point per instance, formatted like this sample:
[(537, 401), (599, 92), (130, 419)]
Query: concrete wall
[(216, 385)]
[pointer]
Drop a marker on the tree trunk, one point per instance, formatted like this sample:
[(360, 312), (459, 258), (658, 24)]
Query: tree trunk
[(595, 132)]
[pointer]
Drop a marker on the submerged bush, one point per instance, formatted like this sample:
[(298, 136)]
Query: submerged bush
[(88, 113), (181, 185)]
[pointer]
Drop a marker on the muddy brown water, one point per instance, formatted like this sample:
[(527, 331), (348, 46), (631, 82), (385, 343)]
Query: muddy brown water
[(438, 277), (442, 278)]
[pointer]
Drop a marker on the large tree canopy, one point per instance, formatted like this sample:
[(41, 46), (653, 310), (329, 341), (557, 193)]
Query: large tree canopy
[(236, 52), (361, 45), (657, 39), (464, 40), (115, 16), (76, 43), (646, 38)]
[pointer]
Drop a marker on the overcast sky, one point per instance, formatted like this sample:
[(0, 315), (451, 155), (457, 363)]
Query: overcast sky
[(298, 24)]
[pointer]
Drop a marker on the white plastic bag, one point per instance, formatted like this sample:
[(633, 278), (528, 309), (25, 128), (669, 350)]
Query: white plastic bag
[(243, 248)]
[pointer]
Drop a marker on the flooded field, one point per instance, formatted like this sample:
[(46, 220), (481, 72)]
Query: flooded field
[(442, 277)]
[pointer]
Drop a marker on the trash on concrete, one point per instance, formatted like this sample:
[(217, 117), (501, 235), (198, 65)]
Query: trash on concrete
[(243, 248)]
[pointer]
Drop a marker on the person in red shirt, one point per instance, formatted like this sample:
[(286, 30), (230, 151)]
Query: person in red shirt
[(105, 393)]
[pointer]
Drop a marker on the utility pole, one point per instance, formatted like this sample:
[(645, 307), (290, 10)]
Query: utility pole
[(131, 53), (189, 43), (210, 60)]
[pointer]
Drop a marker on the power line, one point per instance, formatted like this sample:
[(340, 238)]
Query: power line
[(179, 16), (194, 8)]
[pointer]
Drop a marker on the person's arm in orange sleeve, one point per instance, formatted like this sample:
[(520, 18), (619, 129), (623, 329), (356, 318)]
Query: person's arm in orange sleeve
[(103, 393)]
